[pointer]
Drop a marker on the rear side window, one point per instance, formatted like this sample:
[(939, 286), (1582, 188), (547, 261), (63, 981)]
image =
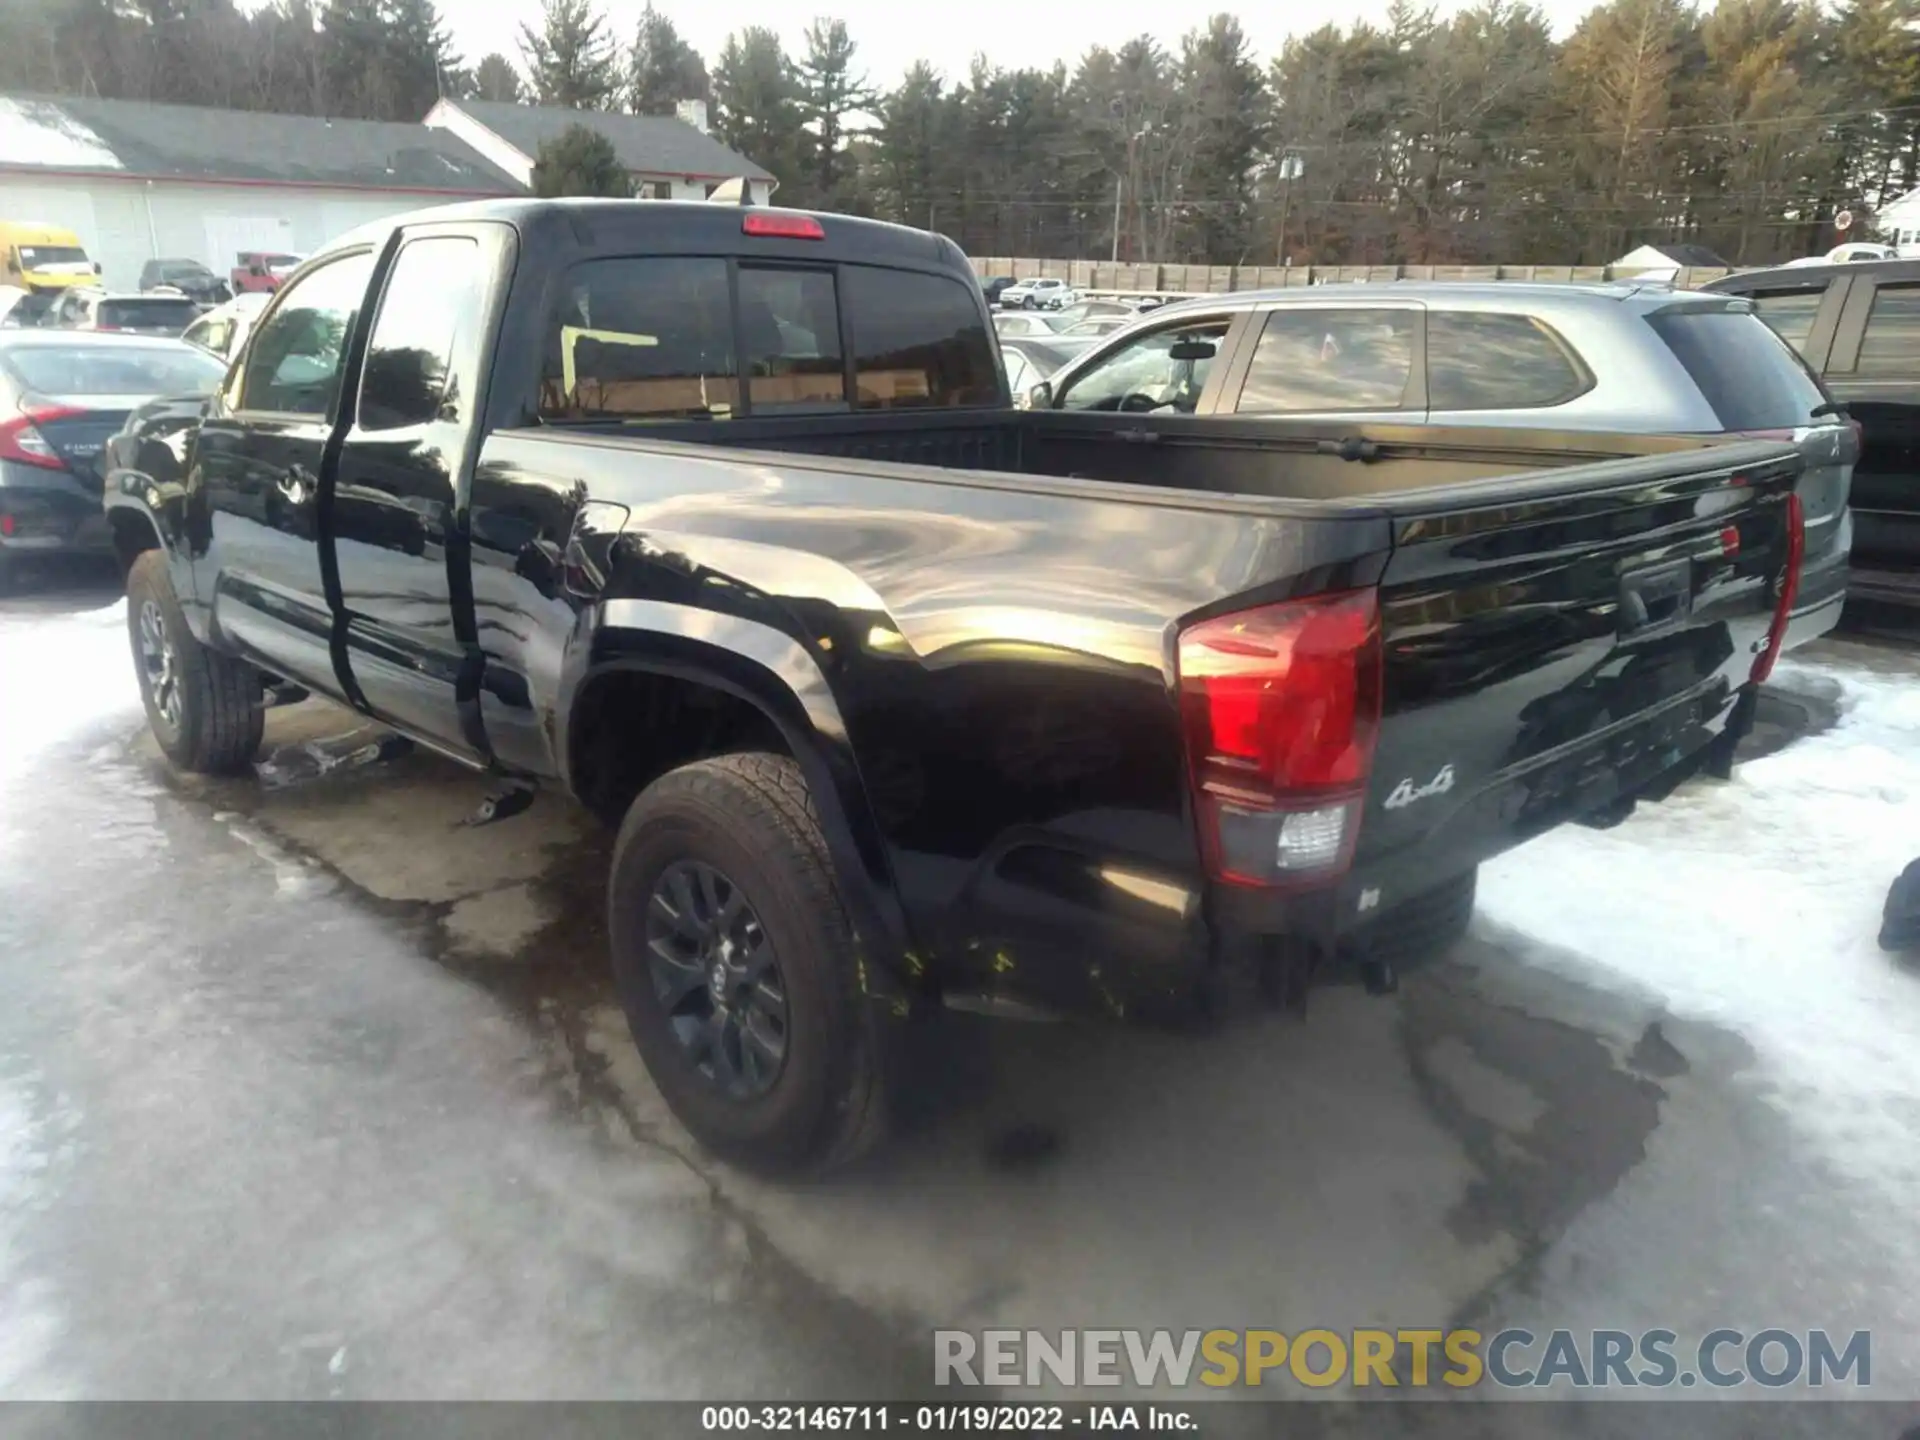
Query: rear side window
[(1498, 362), (917, 340), (642, 339), (1891, 345), (1747, 373), (1320, 360), (174, 315), (1790, 313)]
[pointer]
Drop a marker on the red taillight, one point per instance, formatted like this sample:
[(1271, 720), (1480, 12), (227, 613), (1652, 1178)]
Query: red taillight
[(1281, 706), (1730, 542), (6, 524), (773, 225), (23, 444), (1789, 589)]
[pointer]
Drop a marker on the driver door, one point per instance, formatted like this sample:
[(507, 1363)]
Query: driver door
[(1112, 411), (257, 472)]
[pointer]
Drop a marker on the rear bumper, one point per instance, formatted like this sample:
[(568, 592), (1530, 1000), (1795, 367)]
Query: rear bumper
[(1820, 598), (50, 512), (1595, 781)]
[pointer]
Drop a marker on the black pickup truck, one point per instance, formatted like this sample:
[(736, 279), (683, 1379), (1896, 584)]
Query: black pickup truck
[(719, 519)]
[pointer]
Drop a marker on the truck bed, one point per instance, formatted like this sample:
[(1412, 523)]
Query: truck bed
[(994, 599)]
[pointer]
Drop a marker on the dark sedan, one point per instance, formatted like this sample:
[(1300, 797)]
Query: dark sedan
[(62, 394)]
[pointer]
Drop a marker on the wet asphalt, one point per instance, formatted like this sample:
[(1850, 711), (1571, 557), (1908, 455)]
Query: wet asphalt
[(310, 1090)]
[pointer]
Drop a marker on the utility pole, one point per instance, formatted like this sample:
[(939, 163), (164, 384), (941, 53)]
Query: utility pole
[(1290, 166)]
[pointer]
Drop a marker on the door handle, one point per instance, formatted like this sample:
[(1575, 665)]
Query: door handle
[(297, 485)]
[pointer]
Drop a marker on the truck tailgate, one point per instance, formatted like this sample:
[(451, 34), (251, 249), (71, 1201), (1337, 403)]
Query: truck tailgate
[(1553, 645)]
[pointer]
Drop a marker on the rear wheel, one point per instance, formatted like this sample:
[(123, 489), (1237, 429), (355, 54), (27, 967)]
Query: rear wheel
[(206, 709), (735, 963)]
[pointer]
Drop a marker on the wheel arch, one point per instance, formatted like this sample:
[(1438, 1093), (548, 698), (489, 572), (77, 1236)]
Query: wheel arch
[(781, 687)]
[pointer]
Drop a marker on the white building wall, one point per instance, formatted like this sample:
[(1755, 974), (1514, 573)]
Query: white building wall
[(125, 223)]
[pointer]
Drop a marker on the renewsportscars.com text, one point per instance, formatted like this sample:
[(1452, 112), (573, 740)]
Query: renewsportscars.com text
[(1772, 1358)]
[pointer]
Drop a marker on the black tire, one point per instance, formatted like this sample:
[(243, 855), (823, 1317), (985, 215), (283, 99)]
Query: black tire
[(206, 709), (749, 819)]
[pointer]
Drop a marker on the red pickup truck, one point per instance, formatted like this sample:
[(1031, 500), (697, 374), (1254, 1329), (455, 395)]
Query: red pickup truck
[(262, 270)]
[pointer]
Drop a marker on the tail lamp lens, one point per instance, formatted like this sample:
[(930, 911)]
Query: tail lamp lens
[(1281, 706), (1789, 590)]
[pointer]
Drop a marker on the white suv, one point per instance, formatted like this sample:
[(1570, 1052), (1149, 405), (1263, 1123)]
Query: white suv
[(1038, 295)]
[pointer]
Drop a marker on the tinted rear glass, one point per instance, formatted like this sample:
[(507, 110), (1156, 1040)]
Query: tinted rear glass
[(150, 314), (656, 338), (131, 369), (1747, 373), (918, 340)]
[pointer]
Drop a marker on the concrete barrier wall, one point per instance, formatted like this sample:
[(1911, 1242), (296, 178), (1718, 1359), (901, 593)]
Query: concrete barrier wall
[(1218, 279)]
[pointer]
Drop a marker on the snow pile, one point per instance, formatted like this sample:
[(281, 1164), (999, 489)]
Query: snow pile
[(60, 676), (1755, 905)]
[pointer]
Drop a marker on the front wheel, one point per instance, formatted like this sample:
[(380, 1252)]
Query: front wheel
[(736, 966), (206, 709)]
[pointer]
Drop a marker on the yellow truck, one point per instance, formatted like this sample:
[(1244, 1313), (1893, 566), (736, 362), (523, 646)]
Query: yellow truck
[(43, 260)]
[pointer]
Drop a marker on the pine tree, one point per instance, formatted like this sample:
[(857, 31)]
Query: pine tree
[(914, 151), (571, 56), (496, 79), (663, 69), (829, 94), (756, 106), (1228, 95), (580, 161)]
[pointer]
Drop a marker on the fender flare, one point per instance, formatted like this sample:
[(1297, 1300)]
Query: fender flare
[(133, 493), (771, 671)]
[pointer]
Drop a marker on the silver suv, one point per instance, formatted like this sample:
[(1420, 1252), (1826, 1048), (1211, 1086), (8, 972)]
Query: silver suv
[(1639, 358)]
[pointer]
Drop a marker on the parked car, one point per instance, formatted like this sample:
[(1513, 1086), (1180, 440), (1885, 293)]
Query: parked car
[(882, 729), (1042, 294), (222, 330), (1853, 252), (186, 277), (263, 271), (1857, 324), (1639, 358), (62, 395), (1041, 354), (994, 286), (132, 314), (1010, 323), (1095, 326)]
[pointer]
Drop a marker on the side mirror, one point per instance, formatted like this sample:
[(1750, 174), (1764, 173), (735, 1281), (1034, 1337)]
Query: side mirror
[(256, 270), (1190, 350), (96, 268), (1040, 397)]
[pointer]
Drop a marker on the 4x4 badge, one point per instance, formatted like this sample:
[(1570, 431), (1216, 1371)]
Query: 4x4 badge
[(1406, 792)]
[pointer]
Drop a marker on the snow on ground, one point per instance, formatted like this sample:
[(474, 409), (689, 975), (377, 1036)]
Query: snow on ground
[(58, 676), (1755, 904)]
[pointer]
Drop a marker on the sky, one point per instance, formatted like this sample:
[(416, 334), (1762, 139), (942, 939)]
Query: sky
[(892, 35)]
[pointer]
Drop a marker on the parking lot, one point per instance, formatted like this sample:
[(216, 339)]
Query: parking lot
[(329, 1087)]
